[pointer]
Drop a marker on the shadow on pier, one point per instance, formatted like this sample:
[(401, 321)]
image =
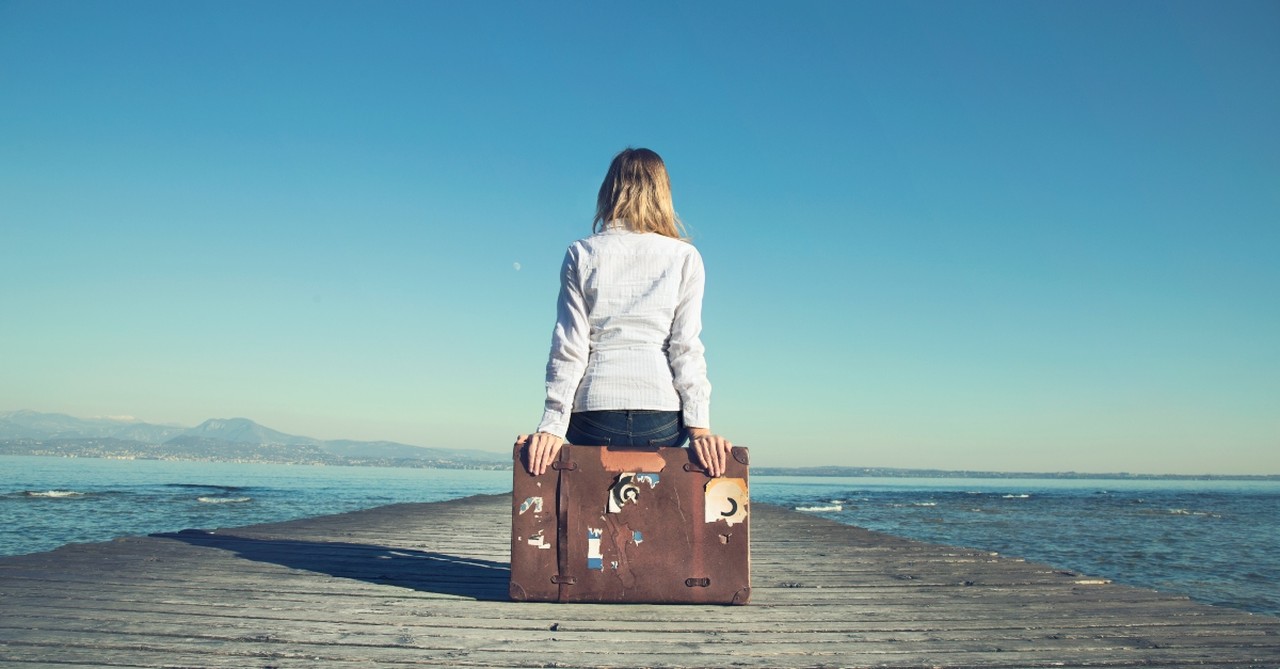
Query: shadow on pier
[(425, 571)]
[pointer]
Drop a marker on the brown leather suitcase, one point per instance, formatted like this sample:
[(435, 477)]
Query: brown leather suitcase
[(630, 525)]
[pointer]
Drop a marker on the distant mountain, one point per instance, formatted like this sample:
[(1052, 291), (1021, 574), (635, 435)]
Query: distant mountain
[(241, 431), (36, 425), (234, 439)]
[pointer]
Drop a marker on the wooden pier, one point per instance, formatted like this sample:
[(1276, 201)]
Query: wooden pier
[(425, 585)]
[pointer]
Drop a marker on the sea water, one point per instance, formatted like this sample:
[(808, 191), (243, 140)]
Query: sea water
[(46, 502), (1215, 541)]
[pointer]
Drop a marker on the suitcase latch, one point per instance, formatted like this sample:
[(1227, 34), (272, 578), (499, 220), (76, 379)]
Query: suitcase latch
[(697, 582)]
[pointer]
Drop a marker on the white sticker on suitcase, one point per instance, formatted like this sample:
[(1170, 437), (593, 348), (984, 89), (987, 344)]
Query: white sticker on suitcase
[(726, 499), (627, 488)]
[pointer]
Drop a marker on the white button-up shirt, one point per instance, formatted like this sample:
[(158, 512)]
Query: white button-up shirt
[(627, 328)]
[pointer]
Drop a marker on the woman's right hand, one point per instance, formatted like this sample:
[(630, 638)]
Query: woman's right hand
[(541, 451), (712, 450)]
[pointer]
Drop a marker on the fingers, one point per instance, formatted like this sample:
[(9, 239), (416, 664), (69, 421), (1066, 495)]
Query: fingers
[(707, 454), (713, 452), (721, 450), (537, 455), (542, 451), (550, 449)]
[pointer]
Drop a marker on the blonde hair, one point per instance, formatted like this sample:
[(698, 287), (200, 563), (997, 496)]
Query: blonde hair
[(637, 191)]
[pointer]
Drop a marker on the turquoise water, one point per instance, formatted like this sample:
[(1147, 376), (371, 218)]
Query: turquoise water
[(1215, 541), (46, 502)]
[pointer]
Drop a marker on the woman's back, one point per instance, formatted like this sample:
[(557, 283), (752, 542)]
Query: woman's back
[(641, 295)]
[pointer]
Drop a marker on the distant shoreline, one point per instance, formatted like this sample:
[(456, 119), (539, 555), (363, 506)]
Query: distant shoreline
[(101, 449), (240, 440), (816, 472)]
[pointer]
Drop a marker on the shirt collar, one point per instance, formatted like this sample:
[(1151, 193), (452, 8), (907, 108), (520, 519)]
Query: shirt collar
[(615, 227)]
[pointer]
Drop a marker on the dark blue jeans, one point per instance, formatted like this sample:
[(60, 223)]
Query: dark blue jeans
[(626, 428)]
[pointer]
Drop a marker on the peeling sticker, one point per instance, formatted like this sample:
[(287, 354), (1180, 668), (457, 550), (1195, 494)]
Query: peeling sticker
[(637, 537), (726, 499), (539, 541), (626, 489), (647, 478), (631, 461), (594, 559), (531, 502)]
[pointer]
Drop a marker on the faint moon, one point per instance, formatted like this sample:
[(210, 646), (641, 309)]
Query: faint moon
[(516, 266)]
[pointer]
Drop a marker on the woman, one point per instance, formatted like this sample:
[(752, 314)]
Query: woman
[(626, 365)]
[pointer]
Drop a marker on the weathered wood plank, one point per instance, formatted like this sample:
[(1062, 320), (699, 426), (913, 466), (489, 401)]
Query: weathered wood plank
[(424, 585), (552, 653), (56, 628)]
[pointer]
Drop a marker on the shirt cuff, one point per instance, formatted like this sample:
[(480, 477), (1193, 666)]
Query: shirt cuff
[(697, 414), (554, 422)]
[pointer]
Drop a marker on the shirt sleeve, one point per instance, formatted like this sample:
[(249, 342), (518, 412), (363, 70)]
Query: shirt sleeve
[(570, 346), (685, 351)]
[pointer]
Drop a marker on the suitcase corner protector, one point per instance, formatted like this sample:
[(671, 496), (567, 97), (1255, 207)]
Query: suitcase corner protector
[(742, 596), (517, 593)]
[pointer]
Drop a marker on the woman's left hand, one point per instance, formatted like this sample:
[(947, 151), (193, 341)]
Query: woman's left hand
[(712, 450)]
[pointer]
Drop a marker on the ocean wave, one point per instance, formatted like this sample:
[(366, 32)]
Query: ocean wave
[(51, 493), (1022, 496), (828, 507), (224, 500), (206, 486), (1188, 512)]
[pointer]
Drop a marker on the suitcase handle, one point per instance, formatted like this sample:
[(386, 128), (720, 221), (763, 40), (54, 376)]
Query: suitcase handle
[(738, 453)]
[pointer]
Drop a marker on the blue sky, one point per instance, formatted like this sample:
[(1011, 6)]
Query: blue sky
[(990, 235)]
